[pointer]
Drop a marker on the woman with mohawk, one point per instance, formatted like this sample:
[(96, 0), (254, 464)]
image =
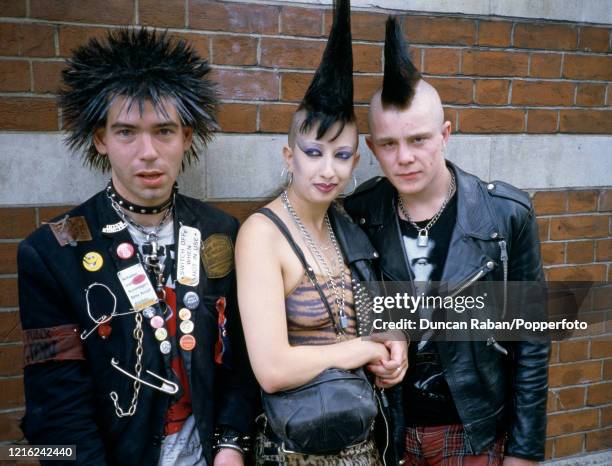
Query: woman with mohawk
[(307, 258), (133, 344)]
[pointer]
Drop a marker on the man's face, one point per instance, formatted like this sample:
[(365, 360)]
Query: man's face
[(409, 144), (145, 149)]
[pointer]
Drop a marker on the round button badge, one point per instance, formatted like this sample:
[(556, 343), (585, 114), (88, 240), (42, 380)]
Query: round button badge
[(157, 322), (191, 300), (161, 334), (186, 326), (184, 314), (165, 347), (125, 250), (92, 261), (187, 342), (148, 312)]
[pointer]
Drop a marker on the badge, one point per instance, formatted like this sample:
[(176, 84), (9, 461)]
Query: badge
[(157, 322), (165, 347), (125, 250), (92, 261), (104, 330), (187, 342), (186, 326), (161, 334), (149, 312), (137, 287), (184, 314), (70, 230), (191, 300), (114, 227), (218, 255), (188, 261)]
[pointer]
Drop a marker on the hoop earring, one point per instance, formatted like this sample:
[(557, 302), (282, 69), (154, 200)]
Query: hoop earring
[(354, 187), (286, 177)]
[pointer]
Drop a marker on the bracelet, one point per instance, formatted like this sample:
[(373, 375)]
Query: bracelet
[(228, 438)]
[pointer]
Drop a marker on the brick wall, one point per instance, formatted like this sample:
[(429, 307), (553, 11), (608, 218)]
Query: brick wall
[(495, 77)]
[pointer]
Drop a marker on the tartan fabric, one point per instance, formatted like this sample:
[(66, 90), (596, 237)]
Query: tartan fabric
[(447, 445)]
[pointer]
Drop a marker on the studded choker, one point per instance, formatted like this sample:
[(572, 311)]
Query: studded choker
[(123, 202)]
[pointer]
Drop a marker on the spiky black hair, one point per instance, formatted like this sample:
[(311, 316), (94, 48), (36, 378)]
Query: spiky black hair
[(401, 75), (142, 65), (329, 97)]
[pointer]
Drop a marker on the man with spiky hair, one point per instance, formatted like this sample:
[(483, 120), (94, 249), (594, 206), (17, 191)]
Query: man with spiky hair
[(132, 340), (465, 402)]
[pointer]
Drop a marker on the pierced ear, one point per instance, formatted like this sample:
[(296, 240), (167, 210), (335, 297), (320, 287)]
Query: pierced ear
[(98, 141), (287, 155)]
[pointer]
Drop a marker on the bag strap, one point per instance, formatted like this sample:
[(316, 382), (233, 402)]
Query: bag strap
[(298, 252)]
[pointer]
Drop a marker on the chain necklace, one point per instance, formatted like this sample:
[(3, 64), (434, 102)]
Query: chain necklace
[(423, 233), (339, 295)]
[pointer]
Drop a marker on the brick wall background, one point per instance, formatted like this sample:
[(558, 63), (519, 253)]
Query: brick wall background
[(495, 76)]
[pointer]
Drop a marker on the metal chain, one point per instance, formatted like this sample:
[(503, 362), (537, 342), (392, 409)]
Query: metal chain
[(126, 218), (138, 336), (434, 219), (339, 297)]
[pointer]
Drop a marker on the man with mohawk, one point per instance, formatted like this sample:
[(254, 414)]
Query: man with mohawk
[(132, 340), (465, 402)]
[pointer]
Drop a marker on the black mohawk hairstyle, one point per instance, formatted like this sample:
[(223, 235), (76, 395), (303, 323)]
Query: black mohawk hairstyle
[(329, 97), (401, 76), (142, 65)]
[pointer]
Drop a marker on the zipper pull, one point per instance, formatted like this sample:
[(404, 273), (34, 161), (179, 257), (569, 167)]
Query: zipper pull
[(383, 397), (504, 251), (497, 346)]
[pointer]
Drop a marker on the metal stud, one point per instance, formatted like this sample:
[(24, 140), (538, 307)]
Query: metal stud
[(494, 235), (490, 265), (490, 186)]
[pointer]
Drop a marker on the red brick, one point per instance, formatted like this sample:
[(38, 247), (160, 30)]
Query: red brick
[(8, 297), (28, 114), (599, 439), (10, 328), (553, 253), (361, 111), (599, 394), (542, 121), (46, 214), (565, 423), (199, 42), (494, 33), (585, 121), (582, 201), (297, 21), (605, 200), (603, 250), (548, 449), (250, 85), (233, 17), (71, 37), (606, 415), (551, 402), (291, 53), (453, 91), (570, 351), (365, 87), (162, 13), (577, 273), (477, 120), (9, 425), (239, 209), (492, 91), (13, 8), (238, 118), (601, 347), (568, 445), (591, 94), (490, 63), (88, 11), (26, 40), (570, 398), (441, 61), (543, 228), (594, 39), (14, 76), (367, 58), (607, 372), (602, 300), (428, 30), (276, 118), (234, 50), (16, 223), (545, 65), (8, 258), (588, 67), (11, 360), (542, 93), (12, 393), (554, 352), (579, 252), (294, 85), (364, 26), (450, 115), (47, 76), (550, 202), (545, 36)]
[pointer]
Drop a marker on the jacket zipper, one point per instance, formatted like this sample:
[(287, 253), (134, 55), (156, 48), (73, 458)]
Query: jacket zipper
[(469, 281), (382, 404)]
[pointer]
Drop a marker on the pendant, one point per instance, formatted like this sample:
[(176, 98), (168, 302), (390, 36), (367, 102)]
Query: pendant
[(423, 238), (343, 321)]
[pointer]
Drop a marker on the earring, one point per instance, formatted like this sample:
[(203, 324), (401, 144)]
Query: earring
[(286, 177), (354, 187)]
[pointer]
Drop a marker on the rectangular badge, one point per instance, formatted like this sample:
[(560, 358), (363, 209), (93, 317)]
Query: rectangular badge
[(137, 287), (71, 230), (188, 262)]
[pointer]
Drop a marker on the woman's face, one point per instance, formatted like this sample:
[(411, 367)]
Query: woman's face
[(321, 167)]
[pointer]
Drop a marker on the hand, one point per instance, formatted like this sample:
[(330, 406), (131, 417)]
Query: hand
[(228, 457), (513, 461), (392, 371)]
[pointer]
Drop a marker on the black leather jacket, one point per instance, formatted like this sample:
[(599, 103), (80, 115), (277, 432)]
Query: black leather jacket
[(494, 393)]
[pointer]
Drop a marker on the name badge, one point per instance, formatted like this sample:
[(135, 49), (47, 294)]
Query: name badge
[(188, 263), (137, 287)]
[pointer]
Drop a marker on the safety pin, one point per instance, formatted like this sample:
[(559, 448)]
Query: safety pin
[(167, 386)]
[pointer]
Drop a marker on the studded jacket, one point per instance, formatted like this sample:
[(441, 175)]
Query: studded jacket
[(497, 389), (68, 381)]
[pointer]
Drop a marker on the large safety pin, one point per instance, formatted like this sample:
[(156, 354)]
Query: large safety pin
[(167, 386)]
